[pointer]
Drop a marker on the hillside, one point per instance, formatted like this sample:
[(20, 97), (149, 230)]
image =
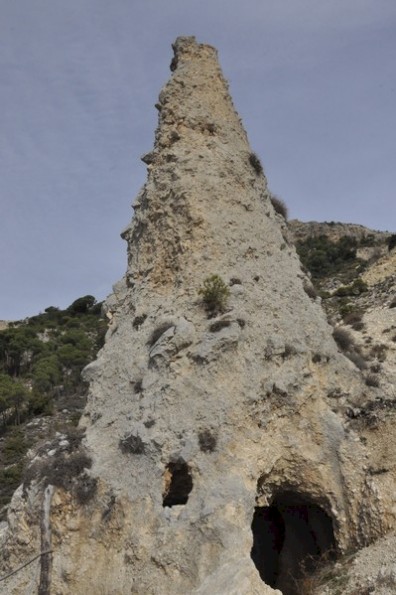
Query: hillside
[(357, 288), (41, 390)]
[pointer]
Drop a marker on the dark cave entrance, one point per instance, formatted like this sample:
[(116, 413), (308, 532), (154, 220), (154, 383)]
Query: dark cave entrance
[(290, 538)]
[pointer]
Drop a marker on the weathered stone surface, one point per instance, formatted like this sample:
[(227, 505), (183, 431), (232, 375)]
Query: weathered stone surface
[(216, 415)]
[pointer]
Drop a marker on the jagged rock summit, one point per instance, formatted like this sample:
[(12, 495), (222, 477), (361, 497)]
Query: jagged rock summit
[(220, 452)]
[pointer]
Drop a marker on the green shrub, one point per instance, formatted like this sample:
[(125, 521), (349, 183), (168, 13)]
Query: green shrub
[(356, 288), (392, 242), (322, 257), (345, 308), (46, 373), (82, 305), (70, 356), (14, 447), (13, 395), (368, 240), (10, 479), (215, 294), (359, 286), (40, 403)]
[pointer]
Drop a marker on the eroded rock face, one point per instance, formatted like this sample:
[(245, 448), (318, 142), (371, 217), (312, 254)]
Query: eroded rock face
[(193, 422)]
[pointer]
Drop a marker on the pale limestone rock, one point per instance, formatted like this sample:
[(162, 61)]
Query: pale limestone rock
[(238, 405)]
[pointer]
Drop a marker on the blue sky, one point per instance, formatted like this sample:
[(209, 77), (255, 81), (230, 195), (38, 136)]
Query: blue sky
[(313, 81)]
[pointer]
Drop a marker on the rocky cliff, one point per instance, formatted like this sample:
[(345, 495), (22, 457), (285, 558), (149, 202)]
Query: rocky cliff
[(217, 452)]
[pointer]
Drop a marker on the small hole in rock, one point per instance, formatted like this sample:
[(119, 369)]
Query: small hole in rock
[(178, 483)]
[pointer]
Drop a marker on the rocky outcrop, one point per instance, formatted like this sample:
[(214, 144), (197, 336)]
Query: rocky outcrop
[(301, 230), (219, 443)]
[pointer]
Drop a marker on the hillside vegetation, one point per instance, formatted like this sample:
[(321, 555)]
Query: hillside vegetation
[(41, 390)]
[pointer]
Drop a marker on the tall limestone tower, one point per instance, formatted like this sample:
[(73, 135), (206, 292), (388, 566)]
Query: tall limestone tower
[(216, 454)]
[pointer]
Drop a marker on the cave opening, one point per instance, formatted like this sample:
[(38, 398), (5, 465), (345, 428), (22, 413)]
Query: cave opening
[(291, 537), (178, 483)]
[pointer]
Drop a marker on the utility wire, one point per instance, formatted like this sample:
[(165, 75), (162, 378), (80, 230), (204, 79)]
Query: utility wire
[(3, 578)]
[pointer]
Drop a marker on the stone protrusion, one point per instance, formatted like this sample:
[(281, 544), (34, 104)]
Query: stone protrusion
[(199, 422)]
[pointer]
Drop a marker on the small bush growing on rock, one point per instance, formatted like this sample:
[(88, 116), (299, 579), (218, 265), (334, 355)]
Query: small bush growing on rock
[(289, 351), (343, 338), (379, 351), (279, 206), (59, 470), (392, 242), (10, 479), (85, 488), (138, 321), (256, 163), (215, 294), (207, 441), (217, 326), (345, 309), (64, 468), (357, 287), (354, 319), (372, 380), (138, 386), (358, 360), (310, 291), (132, 444), (74, 437)]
